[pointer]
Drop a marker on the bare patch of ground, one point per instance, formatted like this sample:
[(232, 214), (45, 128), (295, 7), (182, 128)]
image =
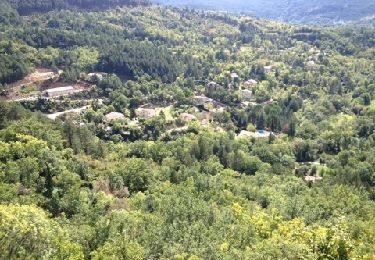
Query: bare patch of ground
[(38, 75)]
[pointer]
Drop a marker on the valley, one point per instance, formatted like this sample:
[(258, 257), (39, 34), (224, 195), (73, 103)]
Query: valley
[(130, 130)]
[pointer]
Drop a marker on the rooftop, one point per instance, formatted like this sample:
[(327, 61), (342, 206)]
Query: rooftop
[(252, 81), (257, 134), (187, 117), (60, 89), (114, 116), (313, 178)]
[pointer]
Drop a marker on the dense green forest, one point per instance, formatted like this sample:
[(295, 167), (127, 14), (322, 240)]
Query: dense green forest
[(25, 7), (145, 170)]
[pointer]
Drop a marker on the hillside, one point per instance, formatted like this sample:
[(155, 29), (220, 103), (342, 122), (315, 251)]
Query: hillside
[(293, 11), (25, 7), (150, 132)]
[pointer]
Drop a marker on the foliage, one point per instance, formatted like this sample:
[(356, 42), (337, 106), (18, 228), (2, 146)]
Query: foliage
[(186, 182)]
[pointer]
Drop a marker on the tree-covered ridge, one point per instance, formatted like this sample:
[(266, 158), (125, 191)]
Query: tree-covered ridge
[(25, 7), (293, 11), (163, 187)]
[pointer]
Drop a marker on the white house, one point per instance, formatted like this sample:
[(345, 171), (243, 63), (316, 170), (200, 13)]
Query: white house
[(61, 91)]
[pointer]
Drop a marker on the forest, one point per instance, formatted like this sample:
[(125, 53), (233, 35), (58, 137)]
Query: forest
[(183, 134), (25, 7)]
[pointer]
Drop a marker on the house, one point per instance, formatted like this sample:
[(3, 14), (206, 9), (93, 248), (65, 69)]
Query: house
[(310, 64), (61, 91), (234, 75), (313, 178), (185, 117), (113, 116), (94, 76), (246, 94), (250, 83), (201, 100), (257, 134), (145, 113), (211, 84), (269, 68)]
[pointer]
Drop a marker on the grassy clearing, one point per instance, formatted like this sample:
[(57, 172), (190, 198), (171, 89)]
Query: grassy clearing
[(167, 112), (372, 106)]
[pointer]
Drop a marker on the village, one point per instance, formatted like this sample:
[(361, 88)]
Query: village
[(45, 85)]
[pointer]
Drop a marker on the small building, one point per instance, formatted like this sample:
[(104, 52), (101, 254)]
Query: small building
[(310, 64), (201, 100), (97, 75), (185, 117), (61, 91), (211, 84), (250, 83), (145, 113), (113, 116), (313, 178), (246, 94), (257, 134), (269, 68), (234, 75)]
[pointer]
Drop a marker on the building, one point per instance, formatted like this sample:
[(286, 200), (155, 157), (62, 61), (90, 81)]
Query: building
[(234, 75), (201, 100), (269, 68), (145, 113), (62, 91), (310, 64), (250, 83), (96, 76), (113, 116), (257, 134), (211, 84), (185, 117), (246, 94), (313, 178)]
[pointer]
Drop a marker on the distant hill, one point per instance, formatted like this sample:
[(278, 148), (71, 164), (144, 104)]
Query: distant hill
[(25, 7), (293, 11), (7, 13)]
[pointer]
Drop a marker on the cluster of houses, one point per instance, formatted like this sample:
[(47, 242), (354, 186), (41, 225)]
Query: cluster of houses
[(144, 113), (246, 90), (141, 113)]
